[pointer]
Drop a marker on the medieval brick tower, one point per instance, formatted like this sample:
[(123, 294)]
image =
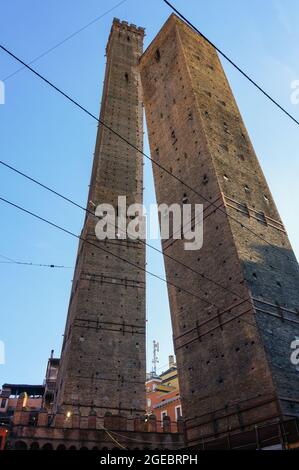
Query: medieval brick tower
[(233, 346), (102, 365)]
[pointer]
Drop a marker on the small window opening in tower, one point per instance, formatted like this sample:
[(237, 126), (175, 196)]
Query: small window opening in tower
[(157, 55), (205, 179), (185, 199)]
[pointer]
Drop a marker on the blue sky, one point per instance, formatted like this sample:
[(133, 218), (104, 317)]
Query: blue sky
[(45, 136)]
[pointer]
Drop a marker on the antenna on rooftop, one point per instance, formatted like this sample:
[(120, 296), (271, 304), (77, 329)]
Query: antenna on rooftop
[(155, 360)]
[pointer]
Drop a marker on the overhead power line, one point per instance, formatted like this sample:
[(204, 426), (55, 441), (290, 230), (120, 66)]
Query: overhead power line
[(140, 268), (213, 304), (228, 59), (79, 237), (63, 41), (180, 289), (13, 261), (137, 149), (121, 446), (86, 210), (141, 152), (177, 445), (237, 317)]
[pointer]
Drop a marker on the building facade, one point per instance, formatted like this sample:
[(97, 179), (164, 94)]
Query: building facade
[(163, 396), (232, 338), (31, 397)]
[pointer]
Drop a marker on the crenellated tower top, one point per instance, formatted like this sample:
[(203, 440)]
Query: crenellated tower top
[(126, 27), (126, 32)]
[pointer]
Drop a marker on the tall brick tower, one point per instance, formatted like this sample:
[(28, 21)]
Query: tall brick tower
[(102, 365), (233, 346)]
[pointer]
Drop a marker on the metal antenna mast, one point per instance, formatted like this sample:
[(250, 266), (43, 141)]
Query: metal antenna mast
[(155, 360)]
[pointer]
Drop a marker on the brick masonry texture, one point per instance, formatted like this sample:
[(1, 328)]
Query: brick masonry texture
[(233, 356), (80, 432), (103, 355)]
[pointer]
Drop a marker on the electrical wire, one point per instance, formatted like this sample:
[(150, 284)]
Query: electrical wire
[(113, 439), (86, 210), (79, 237), (213, 304), (229, 60), (133, 146), (141, 152), (141, 442), (12, 261), (63, 41), (225, 56), (136, 148)]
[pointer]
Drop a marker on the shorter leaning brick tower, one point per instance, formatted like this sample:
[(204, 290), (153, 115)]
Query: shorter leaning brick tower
[(233, 346)]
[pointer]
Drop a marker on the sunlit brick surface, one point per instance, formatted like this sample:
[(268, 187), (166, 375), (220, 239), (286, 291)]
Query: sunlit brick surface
[(103, 355), (233, 356)]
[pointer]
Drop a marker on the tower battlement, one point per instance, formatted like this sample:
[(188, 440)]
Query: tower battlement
[(127, 27), (70, 432)]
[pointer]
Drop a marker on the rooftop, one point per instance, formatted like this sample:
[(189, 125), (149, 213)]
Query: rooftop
[(17, 389)]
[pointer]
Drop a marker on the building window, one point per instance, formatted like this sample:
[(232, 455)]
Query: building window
[(163, 414), (178, 412), (3, 403), (33, 417), (157, 55), (185, 199)]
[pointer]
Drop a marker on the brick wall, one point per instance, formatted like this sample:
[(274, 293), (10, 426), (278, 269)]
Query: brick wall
[(103, 356), (233, 358)]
